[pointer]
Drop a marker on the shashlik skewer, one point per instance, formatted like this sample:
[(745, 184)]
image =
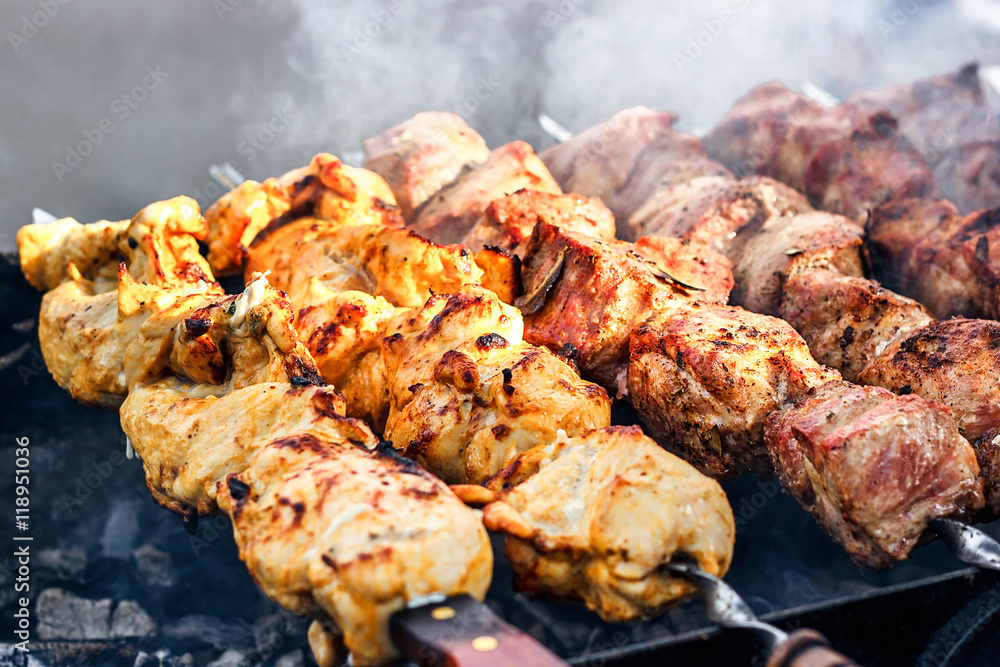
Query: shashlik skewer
[(732, 230), (467, 397)]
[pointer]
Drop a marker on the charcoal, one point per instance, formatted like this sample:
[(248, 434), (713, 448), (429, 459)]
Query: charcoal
[(64, 564), (211, 630), (131, 620), (62, 615), (231, 658), (155, 567)]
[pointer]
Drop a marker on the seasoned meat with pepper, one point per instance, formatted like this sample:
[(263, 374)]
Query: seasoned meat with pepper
[(47, 250), (509, 221), (588, 293), (84, 326), (624, 159), (720, 214), (848, 322), (329, 527), (424, 154), (955, 362), (595, 517), (704, 380), (785, 246), (969, 174), (453, 210), (326, 189), (873, 468), (946, 261)]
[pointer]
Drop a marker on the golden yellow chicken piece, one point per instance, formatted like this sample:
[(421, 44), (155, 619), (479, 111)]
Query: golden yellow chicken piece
[(326, 188), (329, 527), (85, 326), (467, 394), (595, 517), (47, 250)]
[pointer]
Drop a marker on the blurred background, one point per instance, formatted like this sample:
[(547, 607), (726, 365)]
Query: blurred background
[(112, 105)]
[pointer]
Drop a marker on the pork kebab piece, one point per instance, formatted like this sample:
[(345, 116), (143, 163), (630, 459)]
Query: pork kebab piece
[(846, 162), (127, 271), (706, 379), (452, 190)]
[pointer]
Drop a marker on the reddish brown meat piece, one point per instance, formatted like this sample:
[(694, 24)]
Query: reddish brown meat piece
[(625, 158), (509, 221), (423, 154), (949, 263), (704, 380), (955, 362), (848, 321), (933, 113), (784, 247), (969, 174), (449, 215), (589, 294), (873, 468), (718, 213)]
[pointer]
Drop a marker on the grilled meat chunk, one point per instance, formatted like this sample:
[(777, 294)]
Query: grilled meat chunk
[(47, 250), (845, 161), (969, 174), (594, 518), (625, 158), (326, 189), (987, 448), (329, 527), (753, 135), (948, 262), (451, 212), (955, 362), (191, 435), (720, 214), (703, 382), (588, 293), (84, 326), (468, 395), (424, 154), (848, 322), (509, 221), (786, 246), (933, 113), (873, 468)]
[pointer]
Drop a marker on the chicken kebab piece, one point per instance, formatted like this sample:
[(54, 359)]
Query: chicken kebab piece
[(130, 270), (226, 410)]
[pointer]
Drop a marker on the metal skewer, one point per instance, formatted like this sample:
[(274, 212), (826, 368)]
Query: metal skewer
[(802, 648)]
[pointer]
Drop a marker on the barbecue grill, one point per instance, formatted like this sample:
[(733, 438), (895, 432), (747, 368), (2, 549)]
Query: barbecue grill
[(116, 580)]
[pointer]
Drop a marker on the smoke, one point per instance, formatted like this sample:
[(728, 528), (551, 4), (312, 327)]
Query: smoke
[(267, 84), (582, 60)]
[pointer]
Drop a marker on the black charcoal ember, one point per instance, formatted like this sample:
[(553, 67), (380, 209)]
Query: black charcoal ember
[(131, 620), (156, 567), (163, 658), (62, 615), (63, 564)]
